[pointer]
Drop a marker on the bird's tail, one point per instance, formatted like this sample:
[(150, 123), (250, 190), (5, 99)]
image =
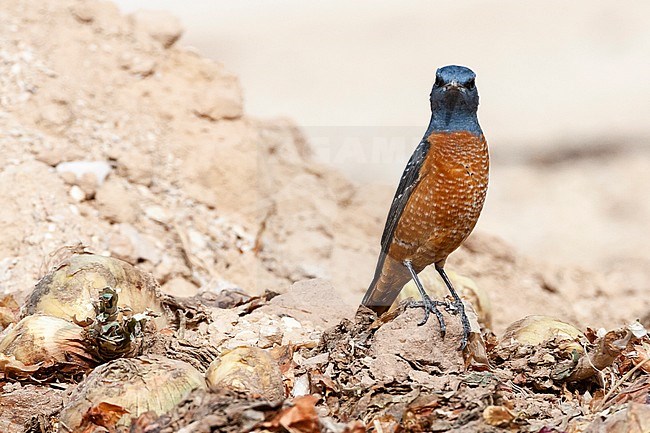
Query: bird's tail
[(390, 277)]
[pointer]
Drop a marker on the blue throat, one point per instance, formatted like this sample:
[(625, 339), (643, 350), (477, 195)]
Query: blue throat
[(453, 120)]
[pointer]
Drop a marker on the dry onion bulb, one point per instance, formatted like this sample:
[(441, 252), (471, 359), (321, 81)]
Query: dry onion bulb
[(137, 385), (70, 289), (47, 342), (248, 369)]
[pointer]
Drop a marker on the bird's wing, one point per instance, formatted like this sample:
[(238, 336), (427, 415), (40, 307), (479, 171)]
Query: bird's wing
[(381, 298), (406, 185)]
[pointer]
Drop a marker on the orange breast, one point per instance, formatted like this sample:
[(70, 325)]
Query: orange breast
[(446, 202)]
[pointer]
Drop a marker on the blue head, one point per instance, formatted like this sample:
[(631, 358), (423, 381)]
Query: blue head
[(454, 100)]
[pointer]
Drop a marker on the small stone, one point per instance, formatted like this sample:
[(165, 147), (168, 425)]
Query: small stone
[(245, 337), (221, 100), (138, 65), (197, 240), (162, 26), (89, 11), (157, 213), (316, 360), (77, 194), (300, 386), (98, 169), (270, 336), (290, 323), (103, 15), (51, 157)]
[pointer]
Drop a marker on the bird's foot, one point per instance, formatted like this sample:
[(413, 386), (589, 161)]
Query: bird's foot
[(457, 307), (450, 307), (430, 306)]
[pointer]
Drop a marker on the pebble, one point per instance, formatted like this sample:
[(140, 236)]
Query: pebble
[(77, 194), (99, 169)]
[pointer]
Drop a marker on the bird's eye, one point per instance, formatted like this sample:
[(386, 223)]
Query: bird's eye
[(470, 84), (439, 82)]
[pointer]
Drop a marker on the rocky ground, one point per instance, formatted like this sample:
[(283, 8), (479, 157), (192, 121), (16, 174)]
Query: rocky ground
[(115, 140)]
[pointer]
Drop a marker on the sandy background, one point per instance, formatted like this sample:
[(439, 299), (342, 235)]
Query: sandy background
[(565, 103)]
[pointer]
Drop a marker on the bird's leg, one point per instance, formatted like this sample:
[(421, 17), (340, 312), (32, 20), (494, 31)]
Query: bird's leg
[(457, 306), (427, 303)]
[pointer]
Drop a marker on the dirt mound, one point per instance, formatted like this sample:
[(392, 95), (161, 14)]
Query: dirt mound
[(182, 182)]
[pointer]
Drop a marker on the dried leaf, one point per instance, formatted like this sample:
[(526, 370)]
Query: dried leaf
[(637, 329), (422, 407), (283, 355), (549, 430), (642, 352), (638, 392), (301, 417), (104, 415), (11, 367), (385, 424), (596, 400), (591, 335), (498, 416), (324, 383), (475, 354)]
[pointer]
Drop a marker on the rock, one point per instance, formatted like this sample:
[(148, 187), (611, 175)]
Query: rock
[(403, 340), (100, 13), (160, 25), (68, 178), (88, 184), (314, 301), (270, 336), (77, 194), (86, 174), (222, 99)]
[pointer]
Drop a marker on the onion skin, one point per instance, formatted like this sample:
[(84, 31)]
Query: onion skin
[(247, 369), (535, 330), (137, 385), (47, 341), (70, 289)]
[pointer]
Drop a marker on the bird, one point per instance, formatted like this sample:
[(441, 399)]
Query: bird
[(438, 200)]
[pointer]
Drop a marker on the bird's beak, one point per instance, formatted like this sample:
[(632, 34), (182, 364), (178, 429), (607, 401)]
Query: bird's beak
[(454, 85)]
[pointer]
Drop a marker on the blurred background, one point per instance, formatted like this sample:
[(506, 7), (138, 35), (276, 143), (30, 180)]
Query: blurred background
[(565, 101)]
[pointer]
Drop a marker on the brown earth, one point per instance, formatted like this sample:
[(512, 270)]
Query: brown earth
[(203, 196)]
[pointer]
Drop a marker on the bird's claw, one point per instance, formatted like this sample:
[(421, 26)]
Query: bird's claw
[(457, 307), (430, 306), (451, 307)]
